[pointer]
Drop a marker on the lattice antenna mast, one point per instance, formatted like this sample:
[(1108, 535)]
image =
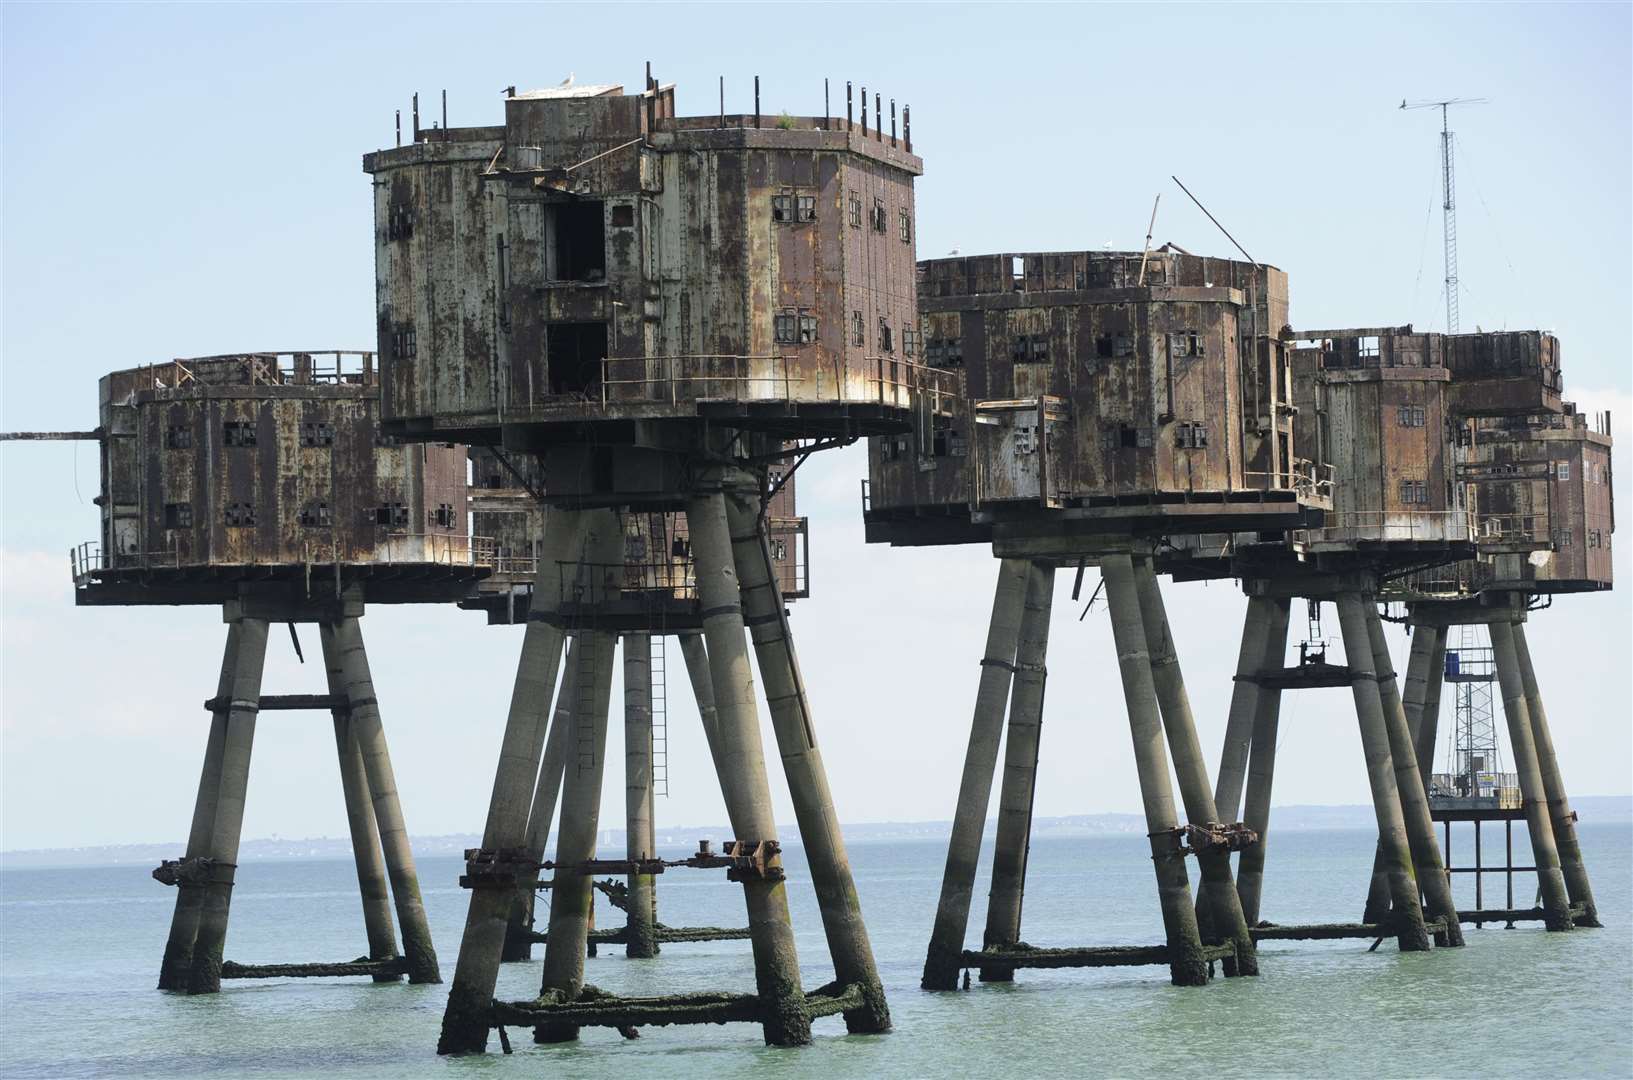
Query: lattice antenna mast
[(1448, 202)]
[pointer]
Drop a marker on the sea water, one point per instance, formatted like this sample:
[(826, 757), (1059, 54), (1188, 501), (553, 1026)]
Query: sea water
[(80, 951)]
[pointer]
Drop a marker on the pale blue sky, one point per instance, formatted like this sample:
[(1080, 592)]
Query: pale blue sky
[(180, 180)]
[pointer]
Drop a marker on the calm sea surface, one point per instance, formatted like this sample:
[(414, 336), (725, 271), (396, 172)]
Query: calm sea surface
[(80, 949)]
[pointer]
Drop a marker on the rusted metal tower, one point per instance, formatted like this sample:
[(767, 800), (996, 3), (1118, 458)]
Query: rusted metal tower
[(1538, 474), (1109, 403), (655, 307), (660, 584), (260, 482)]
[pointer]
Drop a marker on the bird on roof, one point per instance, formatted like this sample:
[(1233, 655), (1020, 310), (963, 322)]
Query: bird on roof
[(568, 81)]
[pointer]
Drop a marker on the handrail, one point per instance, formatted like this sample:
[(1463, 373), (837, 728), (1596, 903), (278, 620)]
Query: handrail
[(1392, 525), (89, 559), (293, 367)]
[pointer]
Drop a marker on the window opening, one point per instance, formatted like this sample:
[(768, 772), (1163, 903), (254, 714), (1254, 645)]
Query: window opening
[(805, 208), (878, 215), (391, 514), (906, 227), (578, 235), (239, 515), (317, 434), (573, 354), (856, 210), (177, 437), (858, 333), (317, 516), (178, 515), (623, 216), (885, 344), (239, 433)]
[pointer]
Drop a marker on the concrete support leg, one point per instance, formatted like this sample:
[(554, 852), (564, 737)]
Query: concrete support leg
[(1185, 964), (204, 972), (1018, 790), (178, 949), (1244, 697), (1417, 688), (1428, 728), (741, 759), (941, 965), (1410, 932), (344, 643), (1420, 827), (466, 1019), (354, 785), (641, 919), (1556, 905), (557, 746), (1553, 786), (573, 894), (791, 720), (1219, 909), (1261, 772), (695, 652)]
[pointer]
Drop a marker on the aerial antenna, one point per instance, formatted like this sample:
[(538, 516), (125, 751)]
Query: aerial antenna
[(1146, 254), (1448, 201)]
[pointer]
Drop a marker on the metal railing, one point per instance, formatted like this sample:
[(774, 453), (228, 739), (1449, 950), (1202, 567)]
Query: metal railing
[(91, 558), (320, 367), (1353, 526), (1306, 479), (1501, 789), (888, 380)]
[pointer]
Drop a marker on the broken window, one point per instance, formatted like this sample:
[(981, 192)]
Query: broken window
[(1110, 345), (856, 210), (885, 344), (1562, 538), (779, 549), (1030, 349), (178, 437), (400, 222), (912, 341), (578, 240), (623, 216), (906, 227), (316, 516), (1191, 436), (858, 332), (807, 328), (442, 517), (1366, 347), (573, 354), (1596, 538), (878, 215), (239, 515), (1411, 416), (805, 208), (1414, 493), (1133, 438), (178, 515), (391, 514), (404, 345), (1186, 343), (795, 326), (782, 208), (238, 433), (317, 434)]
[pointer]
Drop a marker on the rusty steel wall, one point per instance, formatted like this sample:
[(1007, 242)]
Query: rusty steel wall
[(684, 297), (1504, 373), (1374, 407), (1545, 476), (240, 464), (1162, 388)]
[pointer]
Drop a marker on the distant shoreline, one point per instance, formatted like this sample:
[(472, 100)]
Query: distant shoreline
[(1595, 810)]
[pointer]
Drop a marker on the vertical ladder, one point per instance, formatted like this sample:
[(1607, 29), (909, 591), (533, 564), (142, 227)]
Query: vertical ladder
[(660, 715)]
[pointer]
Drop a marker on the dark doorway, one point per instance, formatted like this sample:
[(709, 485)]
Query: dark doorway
[(578, 249), (574, 352)]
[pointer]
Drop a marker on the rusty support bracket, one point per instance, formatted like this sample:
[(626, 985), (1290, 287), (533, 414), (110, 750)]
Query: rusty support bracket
[(488, 868), (1198, 839), (196, 870)]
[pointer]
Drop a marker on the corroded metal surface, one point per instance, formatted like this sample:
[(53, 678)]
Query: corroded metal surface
[(1095, 385), (599, 258), (230, 469)]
